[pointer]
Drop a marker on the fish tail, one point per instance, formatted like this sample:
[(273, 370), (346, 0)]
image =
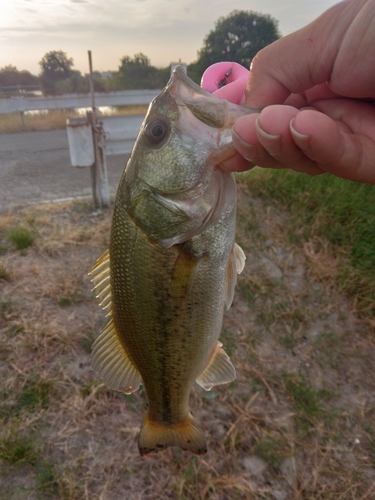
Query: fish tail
[(155, 437)]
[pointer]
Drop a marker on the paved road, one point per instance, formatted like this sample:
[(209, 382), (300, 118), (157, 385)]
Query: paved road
[(35, 167)]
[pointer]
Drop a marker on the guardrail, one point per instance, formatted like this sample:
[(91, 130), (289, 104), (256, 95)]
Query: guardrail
[(22, 104)]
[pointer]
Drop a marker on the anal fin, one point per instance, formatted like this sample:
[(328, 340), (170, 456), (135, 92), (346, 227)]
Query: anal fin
[(111, 362), (218, 371), (186, 435)]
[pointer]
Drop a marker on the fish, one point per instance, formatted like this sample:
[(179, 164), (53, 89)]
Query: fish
[(172, 263)]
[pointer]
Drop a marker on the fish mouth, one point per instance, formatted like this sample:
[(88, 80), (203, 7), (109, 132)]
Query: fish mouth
[(180, 75)]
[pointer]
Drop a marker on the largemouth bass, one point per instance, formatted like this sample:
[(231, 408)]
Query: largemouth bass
[(172, 263)]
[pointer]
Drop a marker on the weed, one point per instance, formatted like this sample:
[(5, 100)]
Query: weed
[(21, 237), (5, 306), (46, 478), (248, 291), (272, 449), (36, 393), (308, 402), (54, 119), (229, 341), (4, 275), (87, 340), (65, 301), (17, 450)]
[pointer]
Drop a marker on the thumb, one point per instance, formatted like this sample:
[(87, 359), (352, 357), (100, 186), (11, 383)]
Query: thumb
[(301, 60)]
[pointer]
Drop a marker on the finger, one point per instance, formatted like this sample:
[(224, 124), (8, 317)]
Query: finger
[(237, 163), (265, 139), (343, 154)]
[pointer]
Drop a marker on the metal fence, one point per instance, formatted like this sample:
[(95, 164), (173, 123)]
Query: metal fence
[(22, 104)]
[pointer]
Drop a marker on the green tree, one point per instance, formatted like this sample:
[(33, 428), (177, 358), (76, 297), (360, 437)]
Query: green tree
[(137, 73), (236, 37), (11, 77), (55, 66)]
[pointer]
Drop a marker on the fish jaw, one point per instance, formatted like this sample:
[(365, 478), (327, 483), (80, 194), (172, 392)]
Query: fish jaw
[(193, 213)]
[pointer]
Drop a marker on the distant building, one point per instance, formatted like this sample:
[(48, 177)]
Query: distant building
[(104, 75), (107, 74)]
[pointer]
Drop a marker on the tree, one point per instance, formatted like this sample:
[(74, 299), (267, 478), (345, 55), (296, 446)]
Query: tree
[(55, 67), (236, 37), (137, 73), (11, 77)]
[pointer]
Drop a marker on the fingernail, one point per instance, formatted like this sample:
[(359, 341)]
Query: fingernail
[(301, 140), (271, 143), (248, 151)]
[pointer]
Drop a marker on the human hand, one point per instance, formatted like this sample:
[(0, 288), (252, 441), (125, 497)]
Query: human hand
[(312, 84)]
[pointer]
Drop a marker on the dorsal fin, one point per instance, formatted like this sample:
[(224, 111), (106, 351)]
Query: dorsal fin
[(109, 357), (101, 274), (112, 363), (236, 263), (218, 371)]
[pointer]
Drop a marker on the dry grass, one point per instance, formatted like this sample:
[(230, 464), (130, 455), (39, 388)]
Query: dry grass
[(53, 119), (298, 423)]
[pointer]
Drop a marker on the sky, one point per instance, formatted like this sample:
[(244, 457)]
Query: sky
[(164, 30)]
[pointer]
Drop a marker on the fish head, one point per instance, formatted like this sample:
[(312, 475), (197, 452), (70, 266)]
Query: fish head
[(172, 185)]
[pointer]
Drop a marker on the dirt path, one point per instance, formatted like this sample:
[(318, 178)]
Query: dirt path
[(35, 167)]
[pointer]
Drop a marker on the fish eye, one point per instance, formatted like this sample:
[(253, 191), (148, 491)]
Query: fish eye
[(156, 131)]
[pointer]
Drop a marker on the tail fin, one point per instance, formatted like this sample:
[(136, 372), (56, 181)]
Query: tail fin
[(155, 437)]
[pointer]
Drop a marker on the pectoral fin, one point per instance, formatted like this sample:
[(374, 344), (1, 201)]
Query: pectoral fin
[(184, 272), (112, 363), (236, 263), (218, 371)]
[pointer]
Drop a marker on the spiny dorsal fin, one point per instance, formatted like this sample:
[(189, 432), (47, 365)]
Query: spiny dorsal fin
[(218, 371), (101, 274), (236, 263), (111, 362)]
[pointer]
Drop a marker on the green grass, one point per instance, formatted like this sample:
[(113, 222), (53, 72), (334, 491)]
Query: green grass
[(309, 403), (273, 449), (3, 273), (35, 394), (18, 450), (335, 210), (21, 237)]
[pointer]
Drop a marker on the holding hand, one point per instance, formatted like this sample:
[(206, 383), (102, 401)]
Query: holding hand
[(317, 90)]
